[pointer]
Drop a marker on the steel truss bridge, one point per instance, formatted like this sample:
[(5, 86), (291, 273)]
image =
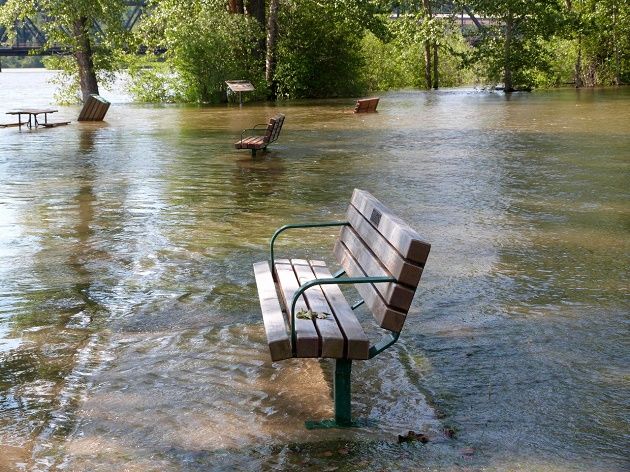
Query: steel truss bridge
[(31, 40)]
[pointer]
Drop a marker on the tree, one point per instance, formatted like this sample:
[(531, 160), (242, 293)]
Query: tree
[(89, 29), (511, 48), (205, 46), (272, 38)]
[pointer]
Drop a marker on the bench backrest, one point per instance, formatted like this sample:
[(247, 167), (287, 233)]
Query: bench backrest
[(378, 243), (94, 109), (366, 105), (274, 127)]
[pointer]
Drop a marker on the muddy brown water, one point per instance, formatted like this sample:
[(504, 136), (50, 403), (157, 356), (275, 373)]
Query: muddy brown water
[(130, 333)]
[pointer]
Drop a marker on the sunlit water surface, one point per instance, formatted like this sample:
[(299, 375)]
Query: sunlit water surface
[(130, 332)]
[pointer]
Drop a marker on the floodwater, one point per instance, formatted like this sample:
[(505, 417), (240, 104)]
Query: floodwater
[(130, 331)]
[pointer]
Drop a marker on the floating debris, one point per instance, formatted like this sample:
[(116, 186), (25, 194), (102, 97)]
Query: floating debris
[(412, 436), (310, 315)]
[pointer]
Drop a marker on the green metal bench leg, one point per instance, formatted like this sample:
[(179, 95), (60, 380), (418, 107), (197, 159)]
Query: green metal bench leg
[(342, 394), (253, 152)]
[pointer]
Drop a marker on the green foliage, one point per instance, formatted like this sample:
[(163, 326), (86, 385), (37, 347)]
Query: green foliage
[(516, 42), (106, 41), (399, 62), (205, 46), (21, 62), (319, 49)]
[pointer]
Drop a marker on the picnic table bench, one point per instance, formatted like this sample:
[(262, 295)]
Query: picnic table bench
[(259, 138), (305, 313), (366, 105)]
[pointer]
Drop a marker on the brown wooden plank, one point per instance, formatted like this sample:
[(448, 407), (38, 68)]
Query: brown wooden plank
[(400, 235), (86, 111), (330, 334), (357, 343), (403, 270), (393, 294), (278, 337), (387, 317), (307, 339)]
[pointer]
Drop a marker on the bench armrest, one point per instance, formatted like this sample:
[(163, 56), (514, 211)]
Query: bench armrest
[(299, 225), (335, 281), (253, 130)]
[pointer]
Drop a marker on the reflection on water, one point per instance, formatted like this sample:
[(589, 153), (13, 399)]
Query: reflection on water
[(130, 334)]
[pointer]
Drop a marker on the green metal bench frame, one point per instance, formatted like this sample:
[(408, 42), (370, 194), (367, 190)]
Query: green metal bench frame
[(343, 367)]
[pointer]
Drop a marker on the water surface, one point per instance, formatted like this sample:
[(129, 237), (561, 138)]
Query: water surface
[(130, 332)]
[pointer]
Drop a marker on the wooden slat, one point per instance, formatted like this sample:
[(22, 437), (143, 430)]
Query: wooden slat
[(405, 271), (402, 237), (357, 343), (307, 339), (387, 317), (331, 337), (275, 324), (393, 294), (86, 111)]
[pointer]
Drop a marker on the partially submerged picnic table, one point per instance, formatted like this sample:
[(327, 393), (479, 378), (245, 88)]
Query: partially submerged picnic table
[(33, 121)]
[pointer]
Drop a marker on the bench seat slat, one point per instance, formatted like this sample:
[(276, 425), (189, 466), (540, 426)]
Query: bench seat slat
[(358, 344), (307, 339), (275, 324), (332, 340), (387, 317)]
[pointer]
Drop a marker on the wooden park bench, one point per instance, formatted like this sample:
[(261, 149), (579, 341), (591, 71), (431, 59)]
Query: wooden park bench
[(305, 313), (262, 137), (94, 109), (366, 105)]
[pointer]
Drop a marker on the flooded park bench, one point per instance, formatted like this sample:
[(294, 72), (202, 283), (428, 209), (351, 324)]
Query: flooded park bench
[(305, 313), (366, 105), (263, 137), (94, 109)]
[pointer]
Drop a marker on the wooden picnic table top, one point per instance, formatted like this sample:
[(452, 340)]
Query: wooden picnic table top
[(31, 111)]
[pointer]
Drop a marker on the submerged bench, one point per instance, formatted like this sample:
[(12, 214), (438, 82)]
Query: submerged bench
[(305, 313), (263, 137), (366, 105), (94, 109)]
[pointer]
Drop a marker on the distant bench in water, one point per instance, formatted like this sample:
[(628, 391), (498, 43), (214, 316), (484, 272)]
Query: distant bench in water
[(366, 105), (305, 313), (94, 109)]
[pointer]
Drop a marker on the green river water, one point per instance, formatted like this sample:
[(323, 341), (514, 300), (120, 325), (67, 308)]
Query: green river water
[(130, 331)]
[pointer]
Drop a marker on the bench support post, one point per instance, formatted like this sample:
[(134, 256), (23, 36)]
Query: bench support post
[(343, 399), (343, 407)]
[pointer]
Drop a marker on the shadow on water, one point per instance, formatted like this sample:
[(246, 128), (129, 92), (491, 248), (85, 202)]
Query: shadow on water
[(135, 336)]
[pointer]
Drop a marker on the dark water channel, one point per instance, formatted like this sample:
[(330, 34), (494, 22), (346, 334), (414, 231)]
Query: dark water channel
[(130, 332)]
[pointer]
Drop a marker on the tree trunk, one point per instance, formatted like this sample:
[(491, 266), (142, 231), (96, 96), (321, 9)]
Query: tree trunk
[(236, 6), (617, 78), (507, 65), (427, 64), (272, 36), (427, 47), (579, 83), (83, 55), (256, 9), (436, 77)]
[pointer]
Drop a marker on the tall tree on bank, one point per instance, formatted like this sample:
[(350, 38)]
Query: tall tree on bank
[(512, 48), (272, 40), (74, 28)]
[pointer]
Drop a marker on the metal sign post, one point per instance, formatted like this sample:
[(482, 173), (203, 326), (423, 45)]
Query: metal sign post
[(240, 86)]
